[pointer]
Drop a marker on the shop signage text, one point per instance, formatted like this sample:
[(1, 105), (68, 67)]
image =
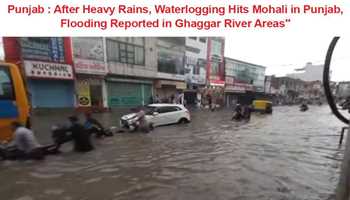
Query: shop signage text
[(232, 85), (36, 69), (90, 66)]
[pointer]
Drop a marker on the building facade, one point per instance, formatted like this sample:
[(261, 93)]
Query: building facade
[(215, 83), (309, 72), (90, 69), (170, 54), (242, 81), (216, 62), (46, 63), (289, 90), (119, 72), (132, 68), (195, 68)]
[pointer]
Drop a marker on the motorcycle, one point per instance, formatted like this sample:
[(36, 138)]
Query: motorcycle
[(304, 108)]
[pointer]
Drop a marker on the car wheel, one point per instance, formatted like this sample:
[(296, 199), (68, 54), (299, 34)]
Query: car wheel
[(183, 121)]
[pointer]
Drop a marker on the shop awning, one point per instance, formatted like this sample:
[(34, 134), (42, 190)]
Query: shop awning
[(178, 84)]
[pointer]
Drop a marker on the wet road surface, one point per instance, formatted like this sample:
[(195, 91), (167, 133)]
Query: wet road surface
[(287, 155)]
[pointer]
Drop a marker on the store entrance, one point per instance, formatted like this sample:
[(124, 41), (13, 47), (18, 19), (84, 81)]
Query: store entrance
[(96, 96)]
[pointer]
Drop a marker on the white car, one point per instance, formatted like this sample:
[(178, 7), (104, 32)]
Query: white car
[(162, 114)]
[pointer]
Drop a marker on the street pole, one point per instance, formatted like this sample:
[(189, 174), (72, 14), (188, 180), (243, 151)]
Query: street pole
[(343, 190)]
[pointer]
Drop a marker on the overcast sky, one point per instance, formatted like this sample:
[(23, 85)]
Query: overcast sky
[(281, 53)]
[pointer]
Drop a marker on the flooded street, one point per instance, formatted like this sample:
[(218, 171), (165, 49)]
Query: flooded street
[(287, 155)]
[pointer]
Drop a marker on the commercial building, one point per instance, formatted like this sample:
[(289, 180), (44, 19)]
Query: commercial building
[(215, 70), (216, 62), (289, 90), (313, 90), (243, 80), (170, 54), (1, 50), (132, 65), (46, 63), (195, 67), (90, 69)]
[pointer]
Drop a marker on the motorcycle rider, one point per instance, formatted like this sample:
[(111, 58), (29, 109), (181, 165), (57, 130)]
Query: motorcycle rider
[(79, 135), (92, 125), (304, 107), (238, 112)]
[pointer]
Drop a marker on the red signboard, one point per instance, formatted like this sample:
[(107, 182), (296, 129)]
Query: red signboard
[(229, 80)]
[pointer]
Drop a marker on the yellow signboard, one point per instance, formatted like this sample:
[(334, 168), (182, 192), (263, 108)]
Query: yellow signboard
[(84, 98)]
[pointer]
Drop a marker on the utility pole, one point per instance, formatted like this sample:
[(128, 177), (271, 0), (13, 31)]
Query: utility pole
[(343, 189)]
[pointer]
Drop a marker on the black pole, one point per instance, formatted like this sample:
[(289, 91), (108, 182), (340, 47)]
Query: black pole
[(326, 86), (342, 192)]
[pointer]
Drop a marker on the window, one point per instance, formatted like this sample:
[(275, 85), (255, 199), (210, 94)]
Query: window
[(203, 39), (125, 52), (216, 47), (193, 38), (168, 109), (170, 62), (214, 69), (196, 69), (112, 50), (139, 55), (6, 87)]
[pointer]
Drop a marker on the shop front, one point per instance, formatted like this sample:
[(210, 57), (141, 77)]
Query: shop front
[(90, 69), (124, 92), (90, 92), (165, 89), (50, 85), (236, 92)]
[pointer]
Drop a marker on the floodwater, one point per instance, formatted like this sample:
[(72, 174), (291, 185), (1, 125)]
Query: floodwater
[(286, 155)]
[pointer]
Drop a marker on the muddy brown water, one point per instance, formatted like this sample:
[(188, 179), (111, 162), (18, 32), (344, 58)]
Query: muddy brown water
[(286, 155)]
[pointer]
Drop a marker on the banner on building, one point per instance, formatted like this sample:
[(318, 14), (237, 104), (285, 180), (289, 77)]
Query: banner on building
[(178, 84), (231, 85), (90, 48), (84, 98), (218, 83), (86, 66), (42, 48), (89, 55), (37, 69)]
